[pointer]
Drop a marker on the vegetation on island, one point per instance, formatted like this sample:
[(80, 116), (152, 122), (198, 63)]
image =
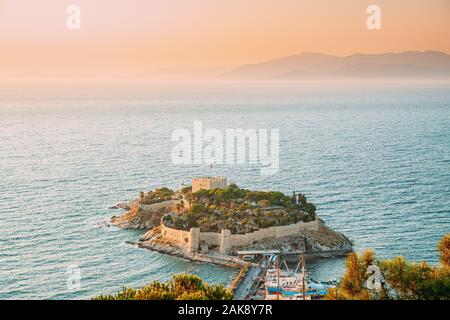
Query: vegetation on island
[(179, 287), (397, 278), (239, 210), (156, 196)]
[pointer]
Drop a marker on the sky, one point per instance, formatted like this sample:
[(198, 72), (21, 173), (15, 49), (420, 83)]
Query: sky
[(126, 38)]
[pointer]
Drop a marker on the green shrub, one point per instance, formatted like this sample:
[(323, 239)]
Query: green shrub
[(179, 287)]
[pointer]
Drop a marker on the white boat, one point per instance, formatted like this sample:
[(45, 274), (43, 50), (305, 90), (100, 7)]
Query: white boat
[(286, 284)]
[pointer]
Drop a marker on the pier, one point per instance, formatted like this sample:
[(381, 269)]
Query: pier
[(254, 278), (249, 284)]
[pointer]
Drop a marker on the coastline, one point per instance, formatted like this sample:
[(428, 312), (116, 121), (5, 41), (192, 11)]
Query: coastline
[(219, 224), (313, 238), (289, 257)]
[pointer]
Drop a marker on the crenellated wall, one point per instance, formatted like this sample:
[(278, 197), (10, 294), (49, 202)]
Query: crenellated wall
[(225, 240), (237, 240), (186, 239), (211, 238), (208, 183)]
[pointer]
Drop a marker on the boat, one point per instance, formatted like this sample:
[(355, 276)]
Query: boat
[(290, 285)]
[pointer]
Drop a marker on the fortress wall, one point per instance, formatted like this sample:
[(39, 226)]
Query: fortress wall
[(312, 225), (199, 185), (211, 238), (190, 240), (183, 238), (239, 240), (286, 230), (208, 183)]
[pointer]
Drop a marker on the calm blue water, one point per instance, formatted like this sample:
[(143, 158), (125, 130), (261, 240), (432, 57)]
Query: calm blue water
[(375, 160)]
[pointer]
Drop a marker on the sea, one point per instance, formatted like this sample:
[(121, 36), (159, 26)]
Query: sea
[(373, 157)]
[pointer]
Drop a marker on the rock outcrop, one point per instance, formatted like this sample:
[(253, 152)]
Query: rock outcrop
[(312, 237), (322, 243), (141, 216), (154, 240)]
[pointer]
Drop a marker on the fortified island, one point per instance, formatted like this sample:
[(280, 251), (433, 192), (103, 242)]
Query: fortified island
[(217, 222)]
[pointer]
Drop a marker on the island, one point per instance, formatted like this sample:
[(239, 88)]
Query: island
[(217, 222)]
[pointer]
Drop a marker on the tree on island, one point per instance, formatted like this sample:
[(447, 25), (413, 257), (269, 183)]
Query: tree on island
[(156, 196), (397, 278), (179, 287), (240, 210), (444, 249)]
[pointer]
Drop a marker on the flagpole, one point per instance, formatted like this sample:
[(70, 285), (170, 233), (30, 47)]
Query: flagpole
[(303, 269), (278, 277)]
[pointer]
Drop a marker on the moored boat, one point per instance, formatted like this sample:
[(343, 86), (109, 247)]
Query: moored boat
[(289, 285)]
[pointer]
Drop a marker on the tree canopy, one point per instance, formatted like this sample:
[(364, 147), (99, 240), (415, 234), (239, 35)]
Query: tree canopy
[(179, 287), (156, 196), (241, 210), (398, 278)]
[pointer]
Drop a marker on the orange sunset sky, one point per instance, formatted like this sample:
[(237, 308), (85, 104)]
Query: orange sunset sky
[(124, 38)]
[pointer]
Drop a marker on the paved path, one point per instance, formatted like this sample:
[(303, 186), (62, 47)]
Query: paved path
[(247, 285)]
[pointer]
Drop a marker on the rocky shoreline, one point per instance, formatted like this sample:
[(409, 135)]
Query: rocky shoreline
[(323, 243), (169, 248), (139, 216)]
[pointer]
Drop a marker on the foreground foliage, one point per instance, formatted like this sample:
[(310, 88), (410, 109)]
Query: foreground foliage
[(399, 279), (179, 287)]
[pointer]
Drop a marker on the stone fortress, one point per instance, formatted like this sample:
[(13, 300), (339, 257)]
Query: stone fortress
[(194, 241), (208, 183), (194, 244)]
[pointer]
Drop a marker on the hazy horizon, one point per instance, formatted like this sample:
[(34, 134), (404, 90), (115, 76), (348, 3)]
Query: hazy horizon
[(134, 40)]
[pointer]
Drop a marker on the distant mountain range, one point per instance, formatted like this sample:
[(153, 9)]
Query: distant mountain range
[(310, 66)]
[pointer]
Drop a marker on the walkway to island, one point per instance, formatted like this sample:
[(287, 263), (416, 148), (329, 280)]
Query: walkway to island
[(249, 284)]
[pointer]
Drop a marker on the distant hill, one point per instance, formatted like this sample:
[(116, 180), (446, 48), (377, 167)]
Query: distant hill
[(404, 65), (184, 73)]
